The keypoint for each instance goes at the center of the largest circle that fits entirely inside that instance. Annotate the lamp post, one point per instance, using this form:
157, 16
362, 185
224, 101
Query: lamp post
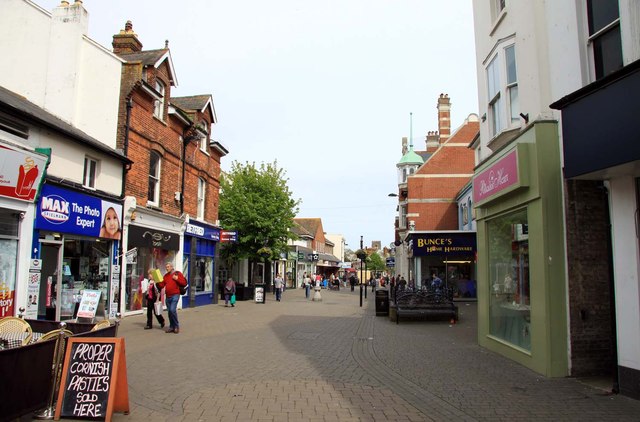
360, 255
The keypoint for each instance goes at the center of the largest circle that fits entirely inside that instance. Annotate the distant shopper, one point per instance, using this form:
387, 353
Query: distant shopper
278, 284
171, 282
153, 296
229, 293
307, 286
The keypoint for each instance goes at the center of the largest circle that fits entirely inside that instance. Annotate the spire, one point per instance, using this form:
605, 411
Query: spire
410, 157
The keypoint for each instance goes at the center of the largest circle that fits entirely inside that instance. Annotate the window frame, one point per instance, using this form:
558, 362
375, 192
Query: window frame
503, 105
158, 109
204, 141
599, 67
155, 201
89, 180
202, 192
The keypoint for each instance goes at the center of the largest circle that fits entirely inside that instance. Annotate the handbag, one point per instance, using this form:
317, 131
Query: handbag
157, 307
233, 299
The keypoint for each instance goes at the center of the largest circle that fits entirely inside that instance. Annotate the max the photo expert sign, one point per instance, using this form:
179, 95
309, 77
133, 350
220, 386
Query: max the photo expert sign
94, 379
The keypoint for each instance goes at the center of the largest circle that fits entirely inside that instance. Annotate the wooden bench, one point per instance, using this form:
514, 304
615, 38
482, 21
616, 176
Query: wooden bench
426, 303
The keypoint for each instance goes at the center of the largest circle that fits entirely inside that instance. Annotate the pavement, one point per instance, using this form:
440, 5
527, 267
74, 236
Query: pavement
332, 360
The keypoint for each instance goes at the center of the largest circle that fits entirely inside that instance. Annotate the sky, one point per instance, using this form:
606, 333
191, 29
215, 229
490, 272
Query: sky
323, 87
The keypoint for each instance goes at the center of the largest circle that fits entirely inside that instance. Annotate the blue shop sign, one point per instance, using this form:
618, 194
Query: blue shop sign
203, 232
66, 211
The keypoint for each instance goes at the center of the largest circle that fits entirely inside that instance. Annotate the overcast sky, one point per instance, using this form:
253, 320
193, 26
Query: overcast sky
324, 87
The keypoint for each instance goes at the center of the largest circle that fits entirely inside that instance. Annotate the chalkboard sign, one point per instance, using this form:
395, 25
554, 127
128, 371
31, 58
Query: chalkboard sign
94, 379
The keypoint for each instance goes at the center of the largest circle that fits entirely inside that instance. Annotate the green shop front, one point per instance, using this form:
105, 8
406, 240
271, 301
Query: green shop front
517, 194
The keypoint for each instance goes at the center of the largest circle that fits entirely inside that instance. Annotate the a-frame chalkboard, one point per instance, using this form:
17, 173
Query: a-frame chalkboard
94, 379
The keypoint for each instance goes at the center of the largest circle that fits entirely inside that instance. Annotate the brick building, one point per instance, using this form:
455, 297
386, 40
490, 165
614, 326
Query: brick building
171, 202
428, 211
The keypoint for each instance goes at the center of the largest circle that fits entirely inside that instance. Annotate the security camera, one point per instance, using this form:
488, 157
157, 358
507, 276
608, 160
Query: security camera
21, 215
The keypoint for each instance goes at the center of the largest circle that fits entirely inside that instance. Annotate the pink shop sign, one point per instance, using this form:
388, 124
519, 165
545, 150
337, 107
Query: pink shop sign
500, 176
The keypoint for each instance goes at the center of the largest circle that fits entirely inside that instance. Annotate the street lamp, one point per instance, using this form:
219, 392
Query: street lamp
361, 254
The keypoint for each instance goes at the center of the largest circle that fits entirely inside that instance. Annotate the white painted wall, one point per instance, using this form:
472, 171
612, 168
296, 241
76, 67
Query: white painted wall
626, 270
48, 59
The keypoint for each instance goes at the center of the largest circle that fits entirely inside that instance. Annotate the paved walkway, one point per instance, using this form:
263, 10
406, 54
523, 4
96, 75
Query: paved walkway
299, 360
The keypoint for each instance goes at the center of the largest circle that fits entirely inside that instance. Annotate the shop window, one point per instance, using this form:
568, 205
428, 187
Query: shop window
142, 262
508, 254
85, 265
201, 278
9, 254
605, 41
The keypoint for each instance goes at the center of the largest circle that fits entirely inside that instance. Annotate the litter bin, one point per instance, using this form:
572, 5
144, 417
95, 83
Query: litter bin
382, 302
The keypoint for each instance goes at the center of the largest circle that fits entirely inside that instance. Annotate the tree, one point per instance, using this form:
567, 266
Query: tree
257, 203
375, 262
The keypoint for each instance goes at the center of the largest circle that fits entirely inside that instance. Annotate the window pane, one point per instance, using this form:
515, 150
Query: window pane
601, 13
8, 223
510, 308
607, 52
496, 116
154, 177
510, 59
493, 79
514, 107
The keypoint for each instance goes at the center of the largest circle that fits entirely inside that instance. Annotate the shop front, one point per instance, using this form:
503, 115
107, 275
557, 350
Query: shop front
521, 260
148, 248
76, 238
450, 256
20, 175
199, 251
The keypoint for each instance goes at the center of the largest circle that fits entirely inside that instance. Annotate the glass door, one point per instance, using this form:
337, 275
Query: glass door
51, 282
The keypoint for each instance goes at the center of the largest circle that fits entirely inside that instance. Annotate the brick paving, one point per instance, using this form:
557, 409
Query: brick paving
299, 360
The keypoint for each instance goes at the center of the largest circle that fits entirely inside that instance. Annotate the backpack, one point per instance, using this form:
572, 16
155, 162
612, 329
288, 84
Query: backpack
183, 289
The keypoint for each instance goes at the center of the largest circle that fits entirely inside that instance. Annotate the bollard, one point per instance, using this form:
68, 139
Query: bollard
316, 296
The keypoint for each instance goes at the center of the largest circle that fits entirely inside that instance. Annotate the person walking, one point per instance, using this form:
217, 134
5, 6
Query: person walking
278, 283
171, 282
153, 296
307, 286
229, 292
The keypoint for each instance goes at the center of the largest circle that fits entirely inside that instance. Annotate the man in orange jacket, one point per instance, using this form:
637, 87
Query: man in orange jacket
171, 282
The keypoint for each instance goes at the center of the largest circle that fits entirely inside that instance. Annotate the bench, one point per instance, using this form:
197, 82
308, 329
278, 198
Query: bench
425, 303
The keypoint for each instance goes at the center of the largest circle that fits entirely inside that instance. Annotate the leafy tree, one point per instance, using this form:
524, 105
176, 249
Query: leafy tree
375, 262
256, 202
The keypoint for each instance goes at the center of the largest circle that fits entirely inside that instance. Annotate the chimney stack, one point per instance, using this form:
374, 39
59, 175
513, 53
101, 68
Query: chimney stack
444, 117
126, 41
432, 141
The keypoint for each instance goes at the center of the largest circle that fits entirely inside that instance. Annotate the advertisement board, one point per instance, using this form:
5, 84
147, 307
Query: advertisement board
66, 211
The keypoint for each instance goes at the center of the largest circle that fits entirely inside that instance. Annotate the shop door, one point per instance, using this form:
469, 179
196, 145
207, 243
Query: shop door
51, 282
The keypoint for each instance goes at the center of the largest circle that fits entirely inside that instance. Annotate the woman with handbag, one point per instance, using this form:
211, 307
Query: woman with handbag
230, 293
154, 298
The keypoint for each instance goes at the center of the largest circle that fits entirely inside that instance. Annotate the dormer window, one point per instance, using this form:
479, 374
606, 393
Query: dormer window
159, 105
204, 140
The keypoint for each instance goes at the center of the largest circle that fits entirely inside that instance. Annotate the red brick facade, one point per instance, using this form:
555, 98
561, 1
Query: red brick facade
432, 190
164, 136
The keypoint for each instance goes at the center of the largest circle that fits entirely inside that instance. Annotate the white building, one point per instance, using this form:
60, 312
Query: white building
571, 191
60, 93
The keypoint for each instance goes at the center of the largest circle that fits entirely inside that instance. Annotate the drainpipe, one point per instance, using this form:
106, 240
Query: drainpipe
125, 144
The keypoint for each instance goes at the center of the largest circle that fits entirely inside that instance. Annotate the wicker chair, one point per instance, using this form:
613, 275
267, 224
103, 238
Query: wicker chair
53, 334
16, 325
102, 324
